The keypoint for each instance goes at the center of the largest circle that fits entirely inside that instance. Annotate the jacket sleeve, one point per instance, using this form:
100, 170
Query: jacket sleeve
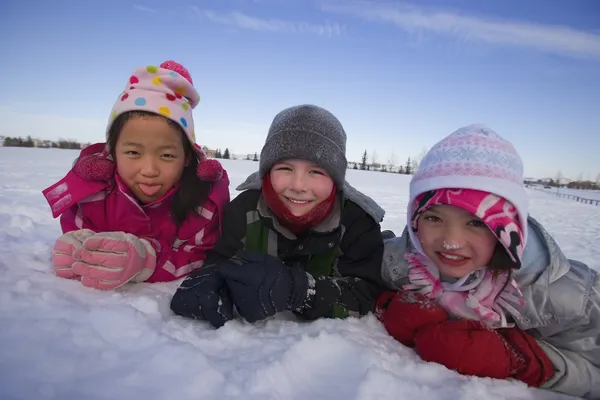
68, 220
186, 256
357, 282
575, 351
233, 231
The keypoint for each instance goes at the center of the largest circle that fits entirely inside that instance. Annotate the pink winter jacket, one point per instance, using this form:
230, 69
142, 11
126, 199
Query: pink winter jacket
111, 207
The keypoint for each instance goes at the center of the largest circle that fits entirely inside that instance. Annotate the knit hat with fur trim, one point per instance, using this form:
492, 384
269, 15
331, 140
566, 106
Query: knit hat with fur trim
473, 157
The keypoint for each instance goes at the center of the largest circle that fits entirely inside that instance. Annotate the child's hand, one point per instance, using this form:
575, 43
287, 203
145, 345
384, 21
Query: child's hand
262, 285
404, 313
63, 249
204, 295
108, 260
468, 347
537, 367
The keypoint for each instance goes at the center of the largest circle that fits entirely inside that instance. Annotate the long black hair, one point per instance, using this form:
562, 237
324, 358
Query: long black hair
192, 191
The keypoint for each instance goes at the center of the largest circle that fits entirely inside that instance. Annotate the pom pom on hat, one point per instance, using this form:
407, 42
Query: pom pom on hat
176, 67
166, 90
209, 170
94, 167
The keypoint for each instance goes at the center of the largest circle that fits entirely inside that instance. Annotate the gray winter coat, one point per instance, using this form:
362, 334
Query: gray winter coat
562, 307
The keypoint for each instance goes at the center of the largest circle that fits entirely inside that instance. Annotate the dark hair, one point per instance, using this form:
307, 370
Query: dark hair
500, 260
192, 191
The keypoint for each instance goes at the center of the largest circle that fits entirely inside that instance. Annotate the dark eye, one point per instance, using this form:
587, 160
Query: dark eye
283, 168
477, 223
317, 172
132, 153
432, 218
169, 156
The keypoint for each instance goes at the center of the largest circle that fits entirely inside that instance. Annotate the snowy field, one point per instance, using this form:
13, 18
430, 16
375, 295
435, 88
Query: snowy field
59, 340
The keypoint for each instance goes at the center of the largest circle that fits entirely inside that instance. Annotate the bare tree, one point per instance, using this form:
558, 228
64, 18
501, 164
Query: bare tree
415, 166
392, 160
598, 180
417, 160
558, 178
374, 157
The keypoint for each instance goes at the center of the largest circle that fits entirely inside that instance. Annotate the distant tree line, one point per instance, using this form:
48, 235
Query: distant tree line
222, 154
584, 185
408, 169
47, 144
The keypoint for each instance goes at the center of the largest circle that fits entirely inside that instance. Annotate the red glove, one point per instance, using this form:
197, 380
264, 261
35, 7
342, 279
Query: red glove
404, 313
537, 367
468, 347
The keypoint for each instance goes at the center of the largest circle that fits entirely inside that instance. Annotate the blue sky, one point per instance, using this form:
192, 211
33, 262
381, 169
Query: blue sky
399, 75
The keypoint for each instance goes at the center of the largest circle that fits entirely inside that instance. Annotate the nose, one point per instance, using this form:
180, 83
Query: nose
149, 167
298, 183
453, 234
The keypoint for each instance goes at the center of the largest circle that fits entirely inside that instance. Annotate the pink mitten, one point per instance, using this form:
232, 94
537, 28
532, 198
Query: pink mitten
62, 252
108, 260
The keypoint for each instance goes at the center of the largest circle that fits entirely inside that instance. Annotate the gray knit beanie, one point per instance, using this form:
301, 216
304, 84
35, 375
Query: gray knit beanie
310, 133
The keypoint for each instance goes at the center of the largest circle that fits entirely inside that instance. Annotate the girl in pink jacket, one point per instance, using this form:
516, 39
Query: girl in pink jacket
146, 205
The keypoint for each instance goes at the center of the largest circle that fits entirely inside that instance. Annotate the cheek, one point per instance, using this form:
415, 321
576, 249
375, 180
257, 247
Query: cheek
174, 171
278, 181
125, 166
487, 244
322, 188
426, 236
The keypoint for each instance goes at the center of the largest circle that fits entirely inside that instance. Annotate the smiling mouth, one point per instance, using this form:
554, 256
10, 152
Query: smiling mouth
298, 202
453, 257
453, 260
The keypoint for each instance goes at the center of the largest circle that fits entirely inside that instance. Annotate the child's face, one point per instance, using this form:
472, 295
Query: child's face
150, 157
301, 185
455, 240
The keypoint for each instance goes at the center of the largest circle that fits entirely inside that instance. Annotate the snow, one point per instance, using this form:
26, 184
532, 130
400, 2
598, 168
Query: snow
60, 340
586, 194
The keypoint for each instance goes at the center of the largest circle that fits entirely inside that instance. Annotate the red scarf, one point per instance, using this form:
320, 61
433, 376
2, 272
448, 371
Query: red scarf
296, 224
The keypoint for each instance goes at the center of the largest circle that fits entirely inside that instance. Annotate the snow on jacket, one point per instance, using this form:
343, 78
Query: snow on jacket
111, 207
562, 308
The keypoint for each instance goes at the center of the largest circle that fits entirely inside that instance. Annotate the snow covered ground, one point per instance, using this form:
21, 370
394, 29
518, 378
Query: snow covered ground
586, 194
59, 340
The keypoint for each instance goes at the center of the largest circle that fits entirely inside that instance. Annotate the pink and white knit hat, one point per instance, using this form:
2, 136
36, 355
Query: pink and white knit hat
165, 90
473, 157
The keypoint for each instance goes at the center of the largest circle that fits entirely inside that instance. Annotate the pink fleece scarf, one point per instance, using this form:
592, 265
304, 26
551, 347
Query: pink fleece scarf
479, 296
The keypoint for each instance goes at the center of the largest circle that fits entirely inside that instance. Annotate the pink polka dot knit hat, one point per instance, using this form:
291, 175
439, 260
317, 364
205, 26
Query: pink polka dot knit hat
166, 90
473, 157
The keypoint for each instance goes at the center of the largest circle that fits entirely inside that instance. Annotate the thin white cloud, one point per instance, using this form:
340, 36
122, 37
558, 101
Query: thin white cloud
239, 20
419, 20
144, 9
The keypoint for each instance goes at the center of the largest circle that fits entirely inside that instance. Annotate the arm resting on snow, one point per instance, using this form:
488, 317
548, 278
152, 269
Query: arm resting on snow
357, 282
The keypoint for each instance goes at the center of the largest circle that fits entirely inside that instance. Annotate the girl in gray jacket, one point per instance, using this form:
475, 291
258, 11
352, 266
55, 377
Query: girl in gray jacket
481, 287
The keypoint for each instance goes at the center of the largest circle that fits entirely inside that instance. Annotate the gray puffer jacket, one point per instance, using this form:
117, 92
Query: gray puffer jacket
562, 307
